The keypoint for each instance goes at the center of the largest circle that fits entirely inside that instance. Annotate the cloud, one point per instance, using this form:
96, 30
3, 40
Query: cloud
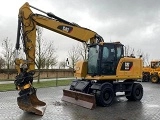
135, 23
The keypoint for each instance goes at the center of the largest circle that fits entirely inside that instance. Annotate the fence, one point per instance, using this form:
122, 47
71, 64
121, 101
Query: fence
44, 73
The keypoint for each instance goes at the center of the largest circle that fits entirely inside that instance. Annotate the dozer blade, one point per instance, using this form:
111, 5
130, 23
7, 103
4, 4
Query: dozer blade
79, 98
30, 103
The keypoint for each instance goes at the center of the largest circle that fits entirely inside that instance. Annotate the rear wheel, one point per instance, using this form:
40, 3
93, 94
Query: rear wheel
136, 93
154, 78
105, 96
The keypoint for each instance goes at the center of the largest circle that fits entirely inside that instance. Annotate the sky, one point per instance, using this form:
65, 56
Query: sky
135, 23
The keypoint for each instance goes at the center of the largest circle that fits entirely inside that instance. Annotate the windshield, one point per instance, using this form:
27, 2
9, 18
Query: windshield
155, 64
92, 59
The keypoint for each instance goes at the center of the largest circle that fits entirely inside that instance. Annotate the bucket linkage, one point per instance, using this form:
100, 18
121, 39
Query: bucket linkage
27, 99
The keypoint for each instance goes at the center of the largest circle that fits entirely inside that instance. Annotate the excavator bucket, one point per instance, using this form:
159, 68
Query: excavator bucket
30, 103
79, 98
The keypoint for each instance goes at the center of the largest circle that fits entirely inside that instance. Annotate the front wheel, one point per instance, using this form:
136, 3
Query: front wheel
106, 95
154, 78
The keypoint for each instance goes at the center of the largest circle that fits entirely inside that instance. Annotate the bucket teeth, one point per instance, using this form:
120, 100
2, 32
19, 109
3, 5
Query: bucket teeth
30, 103
79, 98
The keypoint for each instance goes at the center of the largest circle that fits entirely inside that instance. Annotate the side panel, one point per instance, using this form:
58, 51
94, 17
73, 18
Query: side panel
81, 69
128, 68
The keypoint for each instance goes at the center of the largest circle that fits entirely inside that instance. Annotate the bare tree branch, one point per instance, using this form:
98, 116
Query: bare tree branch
145, 56
74, 56
83, 51
62, 64
8, 54
2, 63
45, 53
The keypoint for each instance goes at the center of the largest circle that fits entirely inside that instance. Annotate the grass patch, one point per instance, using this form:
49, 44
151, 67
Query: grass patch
42, 84
7, 87
53, 83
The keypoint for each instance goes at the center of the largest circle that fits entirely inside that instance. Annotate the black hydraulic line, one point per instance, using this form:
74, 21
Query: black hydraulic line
18, 34
38, 9
58, 18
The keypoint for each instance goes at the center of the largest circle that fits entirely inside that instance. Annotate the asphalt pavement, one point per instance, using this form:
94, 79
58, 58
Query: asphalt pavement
122, 109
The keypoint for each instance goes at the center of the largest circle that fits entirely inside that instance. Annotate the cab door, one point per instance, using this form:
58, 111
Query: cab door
110, 56
108, 60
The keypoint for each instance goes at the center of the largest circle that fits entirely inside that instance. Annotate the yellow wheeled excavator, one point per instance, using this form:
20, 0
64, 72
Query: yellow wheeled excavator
106, 71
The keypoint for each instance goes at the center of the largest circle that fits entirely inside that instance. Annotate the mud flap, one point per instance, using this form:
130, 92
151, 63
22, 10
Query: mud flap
30, 103
79, 98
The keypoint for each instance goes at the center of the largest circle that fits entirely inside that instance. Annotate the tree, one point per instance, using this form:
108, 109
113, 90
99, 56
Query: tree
51, 58
62, 64
146, 59
83, 51
129, 50
145, 56
2, 63
45, 53
8, 54
39, 55
74, 56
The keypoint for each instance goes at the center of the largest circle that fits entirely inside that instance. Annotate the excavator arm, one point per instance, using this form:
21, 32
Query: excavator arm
27, 22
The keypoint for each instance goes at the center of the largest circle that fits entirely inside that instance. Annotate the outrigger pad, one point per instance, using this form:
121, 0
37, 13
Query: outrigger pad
30, 103
79, 98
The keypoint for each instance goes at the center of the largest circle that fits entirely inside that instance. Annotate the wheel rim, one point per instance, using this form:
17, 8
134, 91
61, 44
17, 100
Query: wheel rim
138, 92
107, 95
154, 79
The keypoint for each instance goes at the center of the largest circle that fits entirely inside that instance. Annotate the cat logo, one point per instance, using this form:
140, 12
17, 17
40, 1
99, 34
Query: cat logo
127, 64
64, 28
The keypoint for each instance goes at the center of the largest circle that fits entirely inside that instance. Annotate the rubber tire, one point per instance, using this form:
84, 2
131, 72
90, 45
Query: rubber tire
130, 98
100, 95
136, 93
154, 79
145, 78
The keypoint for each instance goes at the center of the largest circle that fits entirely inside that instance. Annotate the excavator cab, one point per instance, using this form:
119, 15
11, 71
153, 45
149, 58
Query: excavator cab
103, 58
